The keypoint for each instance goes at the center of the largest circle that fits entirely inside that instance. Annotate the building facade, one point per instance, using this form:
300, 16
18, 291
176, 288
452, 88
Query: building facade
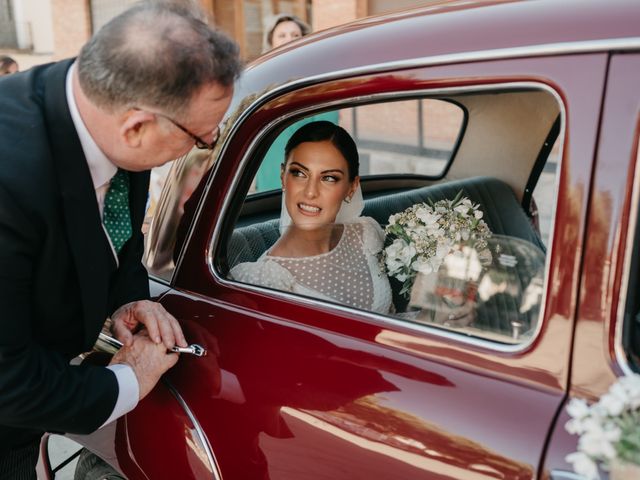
61, 27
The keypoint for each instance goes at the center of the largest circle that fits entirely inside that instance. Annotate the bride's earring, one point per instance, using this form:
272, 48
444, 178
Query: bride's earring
347, 200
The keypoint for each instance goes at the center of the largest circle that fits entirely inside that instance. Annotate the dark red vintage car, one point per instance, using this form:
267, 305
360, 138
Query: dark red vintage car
532, 110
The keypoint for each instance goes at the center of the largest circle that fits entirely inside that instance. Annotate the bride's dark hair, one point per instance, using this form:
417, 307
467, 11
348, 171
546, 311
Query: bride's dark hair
323, 130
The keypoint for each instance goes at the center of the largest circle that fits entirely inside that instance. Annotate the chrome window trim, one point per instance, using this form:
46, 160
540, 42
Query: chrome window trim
213, 463
554, 49
619, 353
418, 328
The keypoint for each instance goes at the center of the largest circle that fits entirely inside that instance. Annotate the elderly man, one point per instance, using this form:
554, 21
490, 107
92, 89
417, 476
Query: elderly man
77, 139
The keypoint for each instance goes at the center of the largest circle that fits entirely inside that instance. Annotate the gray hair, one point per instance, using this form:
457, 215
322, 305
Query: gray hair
157, 54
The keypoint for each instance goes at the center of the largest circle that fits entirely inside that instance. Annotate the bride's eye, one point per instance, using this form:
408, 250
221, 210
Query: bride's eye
331, 178
296, 172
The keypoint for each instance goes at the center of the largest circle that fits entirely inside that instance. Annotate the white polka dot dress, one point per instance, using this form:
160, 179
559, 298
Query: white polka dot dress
349, 274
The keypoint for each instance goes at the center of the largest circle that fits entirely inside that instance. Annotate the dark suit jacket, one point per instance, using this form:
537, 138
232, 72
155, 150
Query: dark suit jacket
58, 278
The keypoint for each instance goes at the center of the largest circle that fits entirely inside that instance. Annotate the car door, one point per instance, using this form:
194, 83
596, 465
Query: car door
294, 387
601, 351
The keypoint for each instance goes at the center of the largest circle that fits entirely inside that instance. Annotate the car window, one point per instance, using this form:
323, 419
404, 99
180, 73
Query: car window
412, 136
171, 187
442, 237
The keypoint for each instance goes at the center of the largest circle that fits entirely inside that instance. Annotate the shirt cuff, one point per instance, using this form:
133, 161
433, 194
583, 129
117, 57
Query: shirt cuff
128, 391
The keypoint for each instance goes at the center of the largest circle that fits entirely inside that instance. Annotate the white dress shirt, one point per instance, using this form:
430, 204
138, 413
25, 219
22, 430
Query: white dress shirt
102, 171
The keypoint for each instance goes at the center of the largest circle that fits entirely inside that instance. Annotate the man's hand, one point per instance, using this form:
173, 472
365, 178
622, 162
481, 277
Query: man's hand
148, 360
161, 325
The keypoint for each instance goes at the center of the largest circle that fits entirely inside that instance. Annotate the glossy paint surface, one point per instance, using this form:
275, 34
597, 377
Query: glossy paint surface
297, 398
293, 388
340, 395
156, 440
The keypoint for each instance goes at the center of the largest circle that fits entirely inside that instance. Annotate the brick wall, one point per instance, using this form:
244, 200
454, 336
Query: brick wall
329, 14
71, 26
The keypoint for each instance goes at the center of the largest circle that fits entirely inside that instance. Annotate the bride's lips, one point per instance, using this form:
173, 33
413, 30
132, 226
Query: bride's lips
309, 210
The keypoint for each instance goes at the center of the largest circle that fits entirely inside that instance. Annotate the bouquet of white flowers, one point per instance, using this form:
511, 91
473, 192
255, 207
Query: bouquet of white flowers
609, 429
419, 238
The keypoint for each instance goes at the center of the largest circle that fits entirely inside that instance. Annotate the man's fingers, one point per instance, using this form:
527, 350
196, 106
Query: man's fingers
177, 331
161, 326
167, 327
123, 334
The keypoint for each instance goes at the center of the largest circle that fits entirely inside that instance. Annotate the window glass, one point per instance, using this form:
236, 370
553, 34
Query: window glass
544, 195
432, 231
494, 292
170, 190
412, 136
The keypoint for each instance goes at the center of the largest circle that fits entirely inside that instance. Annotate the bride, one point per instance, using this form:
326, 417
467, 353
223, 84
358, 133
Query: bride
326, 249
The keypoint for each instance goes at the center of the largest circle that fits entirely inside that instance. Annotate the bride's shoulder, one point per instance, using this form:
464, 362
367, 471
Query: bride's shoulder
264, 272
368, 222
371, 233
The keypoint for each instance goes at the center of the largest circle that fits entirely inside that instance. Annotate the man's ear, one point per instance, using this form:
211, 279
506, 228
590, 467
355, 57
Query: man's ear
134, 125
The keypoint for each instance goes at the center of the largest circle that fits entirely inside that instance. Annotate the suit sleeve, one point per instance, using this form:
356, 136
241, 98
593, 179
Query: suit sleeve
39, 389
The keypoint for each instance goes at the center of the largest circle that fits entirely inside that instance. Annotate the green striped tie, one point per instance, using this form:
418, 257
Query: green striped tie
116, 217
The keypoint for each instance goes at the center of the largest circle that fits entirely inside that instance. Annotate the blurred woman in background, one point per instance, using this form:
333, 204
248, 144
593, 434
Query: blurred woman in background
281, 29
7, 65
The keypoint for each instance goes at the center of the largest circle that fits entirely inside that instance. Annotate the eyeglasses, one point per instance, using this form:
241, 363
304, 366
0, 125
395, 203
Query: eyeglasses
200, 143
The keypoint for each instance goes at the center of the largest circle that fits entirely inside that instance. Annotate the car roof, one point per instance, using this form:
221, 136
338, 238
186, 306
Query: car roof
452, 31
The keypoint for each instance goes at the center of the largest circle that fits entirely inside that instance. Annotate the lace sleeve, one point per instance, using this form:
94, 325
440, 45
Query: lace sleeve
265, 273
372, 234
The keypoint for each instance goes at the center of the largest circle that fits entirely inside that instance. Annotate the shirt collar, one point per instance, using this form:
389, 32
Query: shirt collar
101, 168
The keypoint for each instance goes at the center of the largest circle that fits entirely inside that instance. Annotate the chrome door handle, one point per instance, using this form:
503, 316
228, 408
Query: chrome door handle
193, 349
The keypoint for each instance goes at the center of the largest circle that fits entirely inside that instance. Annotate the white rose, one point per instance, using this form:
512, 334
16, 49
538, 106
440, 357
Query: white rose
392, 252
631, 384
422, 265
419, 233
393, 266
583, 465
434, 230
614, 402
574, 426
599, 444
407, 254
398, 256
462, 208
578, 408
443, 248
478, 214
394, 249
426, 216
